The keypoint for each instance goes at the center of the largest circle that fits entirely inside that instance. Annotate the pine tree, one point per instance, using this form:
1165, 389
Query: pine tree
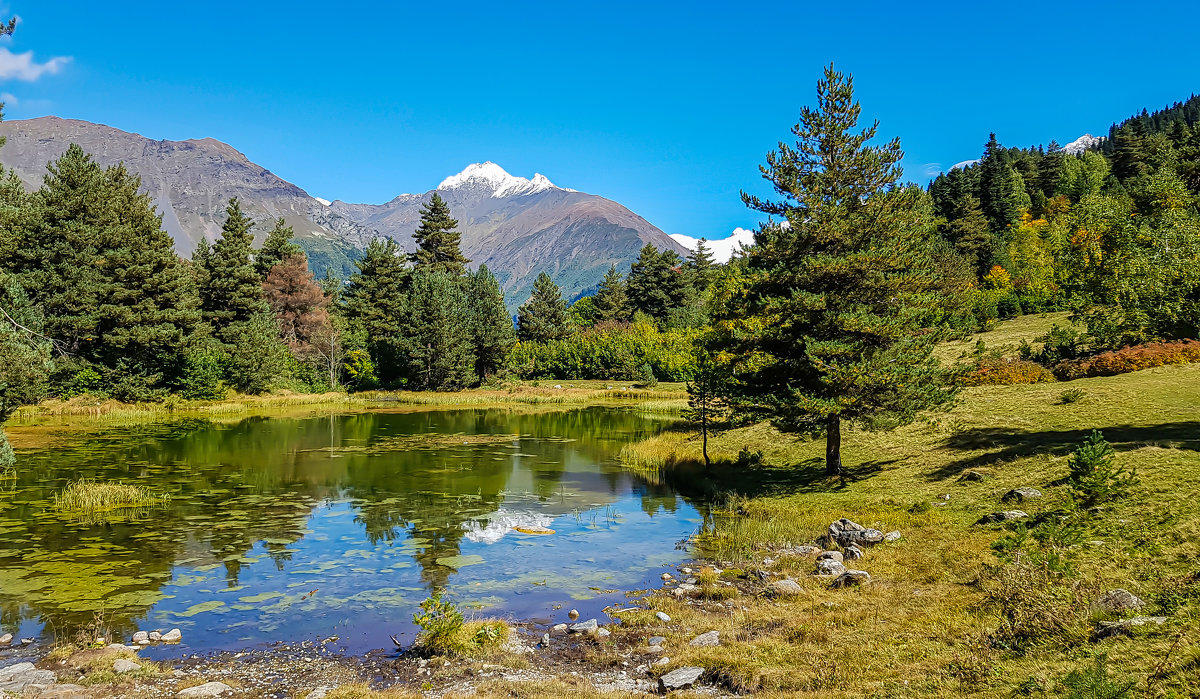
437, 240
838, 297
610, 301
699, 267
375, 301
655, 285
708, 392
491, 325
1002, 189
231, 290
147, 309
435, 333
544, 316
276, 247
296, 300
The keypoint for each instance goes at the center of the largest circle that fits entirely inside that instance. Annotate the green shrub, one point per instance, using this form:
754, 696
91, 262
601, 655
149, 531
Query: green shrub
1094, 683
1008, 306
1095, 477
200, 376
440, 622
610, 351
1072, 395
1058, 345
361, 370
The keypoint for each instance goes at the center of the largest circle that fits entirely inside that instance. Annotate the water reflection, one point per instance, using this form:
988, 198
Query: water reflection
286, 528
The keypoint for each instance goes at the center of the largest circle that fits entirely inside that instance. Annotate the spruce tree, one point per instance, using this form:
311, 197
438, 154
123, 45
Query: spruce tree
610, 301
437, 240
491, 325
699, 267
375, 301
544, 316
834, 306
276, 247
435, 333
655, 285
231, 290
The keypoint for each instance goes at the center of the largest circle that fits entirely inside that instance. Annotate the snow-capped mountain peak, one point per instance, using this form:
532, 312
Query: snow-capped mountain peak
494, 178
1082, 144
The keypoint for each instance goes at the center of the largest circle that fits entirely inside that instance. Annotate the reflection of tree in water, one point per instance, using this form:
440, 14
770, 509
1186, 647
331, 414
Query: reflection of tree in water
235, 485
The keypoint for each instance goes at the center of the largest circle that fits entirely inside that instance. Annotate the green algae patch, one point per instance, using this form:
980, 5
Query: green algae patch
201, 608
460, 561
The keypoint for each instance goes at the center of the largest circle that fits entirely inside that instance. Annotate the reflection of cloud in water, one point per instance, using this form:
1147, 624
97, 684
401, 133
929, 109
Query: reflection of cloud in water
502, 523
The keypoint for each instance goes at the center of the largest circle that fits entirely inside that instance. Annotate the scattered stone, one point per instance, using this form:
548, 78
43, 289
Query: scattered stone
708, 638
545, 640
172, 636
853, 553
656, 640
1005, 516
891, 536
851, 577
651, 650
972, 477
603, 633
141, 637
573, 614
121, 665
830, 556
830, 567
1124, 627
945, 496
686, 589
662, 616
785, 588
844, 532
27, 641
155, 636
318, 693
5, 639
806, 550
208, 689
1118, 601
559, 628
667, 576
19, 677
682, 678
1021, 495
589, 626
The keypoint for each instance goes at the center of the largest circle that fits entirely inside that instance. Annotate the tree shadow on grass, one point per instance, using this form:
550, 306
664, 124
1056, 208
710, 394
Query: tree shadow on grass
1007, 445
807, 476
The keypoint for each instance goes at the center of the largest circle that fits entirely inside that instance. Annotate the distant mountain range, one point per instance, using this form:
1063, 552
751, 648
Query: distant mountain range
519, 227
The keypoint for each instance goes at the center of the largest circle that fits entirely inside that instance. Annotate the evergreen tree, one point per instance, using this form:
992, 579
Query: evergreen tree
231, 290
699, 267
544, 316
1002, 189
435, 333
838, 296
256, 357
610, 301
437, 240
276, 247
655, 285
491, 326
296, 300
375, 301
147, 309
708, 392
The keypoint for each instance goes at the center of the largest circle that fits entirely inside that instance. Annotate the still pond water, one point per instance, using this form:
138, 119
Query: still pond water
295, 529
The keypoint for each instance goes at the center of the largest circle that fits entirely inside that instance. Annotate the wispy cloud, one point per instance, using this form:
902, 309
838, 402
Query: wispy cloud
21, 66
9, 99
722, 248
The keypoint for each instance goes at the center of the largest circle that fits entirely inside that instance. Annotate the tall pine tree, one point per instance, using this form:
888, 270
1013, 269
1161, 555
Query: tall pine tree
375, 300
437, 240
544, 316
435, 333
839, 295
491, 325
610, 300
276, 247
656, 286
230, 288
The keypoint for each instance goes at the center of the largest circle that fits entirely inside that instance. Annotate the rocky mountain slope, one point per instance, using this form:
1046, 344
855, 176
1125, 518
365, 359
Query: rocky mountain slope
519, 227
190, 182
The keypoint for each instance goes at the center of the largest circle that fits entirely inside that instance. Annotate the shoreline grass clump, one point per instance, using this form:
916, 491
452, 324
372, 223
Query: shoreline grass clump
90, 497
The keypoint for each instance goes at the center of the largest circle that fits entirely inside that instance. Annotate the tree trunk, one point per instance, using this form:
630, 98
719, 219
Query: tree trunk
833, 446
704, 432
7, 458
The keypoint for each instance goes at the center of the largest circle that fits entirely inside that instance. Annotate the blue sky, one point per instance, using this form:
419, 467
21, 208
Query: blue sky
667, 108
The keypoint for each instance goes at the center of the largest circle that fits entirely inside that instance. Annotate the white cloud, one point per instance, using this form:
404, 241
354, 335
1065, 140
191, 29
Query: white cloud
21, 66
964, 163
8, 99
722, 249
